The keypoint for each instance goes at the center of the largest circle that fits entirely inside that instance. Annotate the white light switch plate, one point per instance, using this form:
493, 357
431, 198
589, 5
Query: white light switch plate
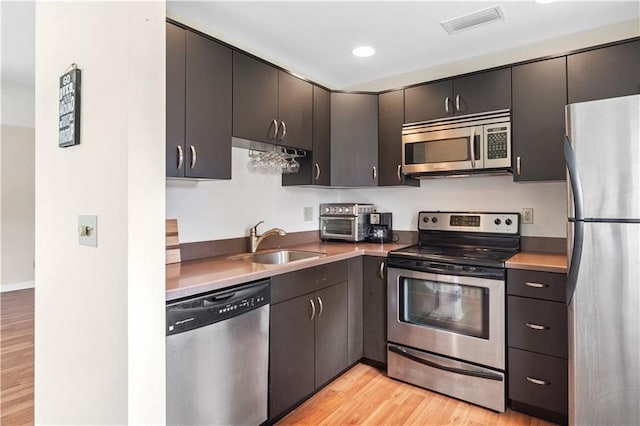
308, 214
88, 230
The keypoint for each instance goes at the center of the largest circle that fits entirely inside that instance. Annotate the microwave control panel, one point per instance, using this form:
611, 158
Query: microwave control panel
497, 140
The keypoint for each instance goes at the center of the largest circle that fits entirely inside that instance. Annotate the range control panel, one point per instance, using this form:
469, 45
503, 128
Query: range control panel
501, 223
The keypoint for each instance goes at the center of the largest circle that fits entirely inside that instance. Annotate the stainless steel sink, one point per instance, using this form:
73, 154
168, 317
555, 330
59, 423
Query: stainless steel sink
278, 257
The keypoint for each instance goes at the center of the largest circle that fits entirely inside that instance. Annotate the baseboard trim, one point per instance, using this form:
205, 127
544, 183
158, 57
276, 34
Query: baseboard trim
17, 286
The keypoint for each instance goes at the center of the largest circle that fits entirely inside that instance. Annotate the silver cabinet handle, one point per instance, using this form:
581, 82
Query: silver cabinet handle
375, 172
446, 105
398, 172
536, 326
321, 306
317, 171
180, 157
283, 125
274, 123
313, 309
518, 166
194, 157
472, 147
381, 271
535, 285
458, 103
537, 381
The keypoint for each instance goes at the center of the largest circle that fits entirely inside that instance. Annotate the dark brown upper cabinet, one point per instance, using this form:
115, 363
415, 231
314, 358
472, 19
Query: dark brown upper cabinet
539, 98
354, 139
198, 138
315, 167
480, 92
390, 120
270, 105
603, 73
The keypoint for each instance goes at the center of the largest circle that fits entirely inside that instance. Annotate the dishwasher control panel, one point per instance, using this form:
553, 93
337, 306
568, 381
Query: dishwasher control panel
210, 308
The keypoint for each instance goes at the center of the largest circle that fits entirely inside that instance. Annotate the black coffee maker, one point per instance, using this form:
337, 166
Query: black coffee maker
380, 228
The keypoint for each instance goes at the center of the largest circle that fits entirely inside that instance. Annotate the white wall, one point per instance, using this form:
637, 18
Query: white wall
99, 334
18, 105
18, 207
211, 210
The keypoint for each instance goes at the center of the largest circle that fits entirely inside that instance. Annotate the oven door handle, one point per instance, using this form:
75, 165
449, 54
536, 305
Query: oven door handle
472, 373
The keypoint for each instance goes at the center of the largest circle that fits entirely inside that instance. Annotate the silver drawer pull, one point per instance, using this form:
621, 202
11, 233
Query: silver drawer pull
194, 157
313, 309
535, 285
537, 381
321, 306
317, 171
399, 170
536, 326
180, 157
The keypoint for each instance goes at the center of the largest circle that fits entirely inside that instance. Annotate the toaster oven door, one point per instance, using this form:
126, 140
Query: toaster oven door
443, 150
338, 228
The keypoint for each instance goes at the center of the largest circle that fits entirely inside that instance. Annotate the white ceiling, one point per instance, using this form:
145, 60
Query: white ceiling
314, 39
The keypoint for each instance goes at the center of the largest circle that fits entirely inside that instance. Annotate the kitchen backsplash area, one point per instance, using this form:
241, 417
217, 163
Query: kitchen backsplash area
213, 210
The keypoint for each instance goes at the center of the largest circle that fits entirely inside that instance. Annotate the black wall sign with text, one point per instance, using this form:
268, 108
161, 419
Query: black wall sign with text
69, 110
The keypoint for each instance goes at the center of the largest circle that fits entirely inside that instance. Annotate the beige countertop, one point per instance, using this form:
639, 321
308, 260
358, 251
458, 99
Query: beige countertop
200, 276
545, 262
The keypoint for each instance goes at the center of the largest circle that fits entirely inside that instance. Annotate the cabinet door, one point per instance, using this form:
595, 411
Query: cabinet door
390, 120
315, 168
374, 304
175, 88
608, 72
354, 139
539, 98
295, 109
355, 310
482, 92
291, 353
321, 136
255, 99
208, 109
330, 333
428, 101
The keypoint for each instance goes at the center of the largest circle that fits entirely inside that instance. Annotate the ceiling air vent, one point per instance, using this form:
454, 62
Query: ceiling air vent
473, 19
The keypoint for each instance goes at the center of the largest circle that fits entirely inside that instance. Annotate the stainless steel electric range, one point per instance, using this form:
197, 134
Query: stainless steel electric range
446, 305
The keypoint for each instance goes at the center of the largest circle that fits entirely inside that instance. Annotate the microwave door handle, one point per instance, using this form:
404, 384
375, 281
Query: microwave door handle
472, 147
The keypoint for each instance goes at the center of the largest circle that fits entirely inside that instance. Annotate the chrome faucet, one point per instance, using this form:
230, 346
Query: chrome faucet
256, 239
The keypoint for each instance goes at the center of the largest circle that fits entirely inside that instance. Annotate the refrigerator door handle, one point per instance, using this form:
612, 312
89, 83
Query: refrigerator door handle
578, 224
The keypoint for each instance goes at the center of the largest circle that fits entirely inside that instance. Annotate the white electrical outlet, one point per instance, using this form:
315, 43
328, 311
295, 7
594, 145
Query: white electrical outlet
527, 215
308, 214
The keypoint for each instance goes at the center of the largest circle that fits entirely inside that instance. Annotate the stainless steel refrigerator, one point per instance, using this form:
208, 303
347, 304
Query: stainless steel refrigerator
602, 150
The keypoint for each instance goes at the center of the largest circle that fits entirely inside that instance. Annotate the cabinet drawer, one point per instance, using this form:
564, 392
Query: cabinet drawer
294, 284
538, 380
537, 325
539, 285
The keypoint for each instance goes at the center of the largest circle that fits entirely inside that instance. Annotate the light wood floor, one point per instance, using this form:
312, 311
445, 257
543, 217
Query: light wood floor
366, 396
16, 357
362, 396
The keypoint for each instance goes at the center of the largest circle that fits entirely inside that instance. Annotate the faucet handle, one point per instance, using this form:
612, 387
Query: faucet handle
254, 229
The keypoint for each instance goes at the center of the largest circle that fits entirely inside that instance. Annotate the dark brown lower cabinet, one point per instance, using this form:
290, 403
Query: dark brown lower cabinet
374, 305
308, 333
537, 343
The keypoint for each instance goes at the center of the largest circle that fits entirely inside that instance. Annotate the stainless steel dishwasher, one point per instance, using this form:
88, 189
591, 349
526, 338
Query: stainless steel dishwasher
218, 357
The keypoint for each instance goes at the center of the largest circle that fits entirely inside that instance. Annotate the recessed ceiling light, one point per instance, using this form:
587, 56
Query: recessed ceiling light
363, 51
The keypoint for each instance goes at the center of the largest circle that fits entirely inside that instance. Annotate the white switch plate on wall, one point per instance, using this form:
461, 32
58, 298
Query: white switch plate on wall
308, 214
88, 230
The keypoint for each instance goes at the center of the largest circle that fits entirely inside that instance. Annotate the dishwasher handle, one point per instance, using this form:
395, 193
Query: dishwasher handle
214, 307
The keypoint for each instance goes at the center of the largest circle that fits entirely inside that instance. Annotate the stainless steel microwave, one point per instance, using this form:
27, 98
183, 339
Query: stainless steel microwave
476, 143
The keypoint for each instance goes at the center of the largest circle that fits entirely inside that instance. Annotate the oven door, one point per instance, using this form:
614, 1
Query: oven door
339, 228
443, 150
455, 316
